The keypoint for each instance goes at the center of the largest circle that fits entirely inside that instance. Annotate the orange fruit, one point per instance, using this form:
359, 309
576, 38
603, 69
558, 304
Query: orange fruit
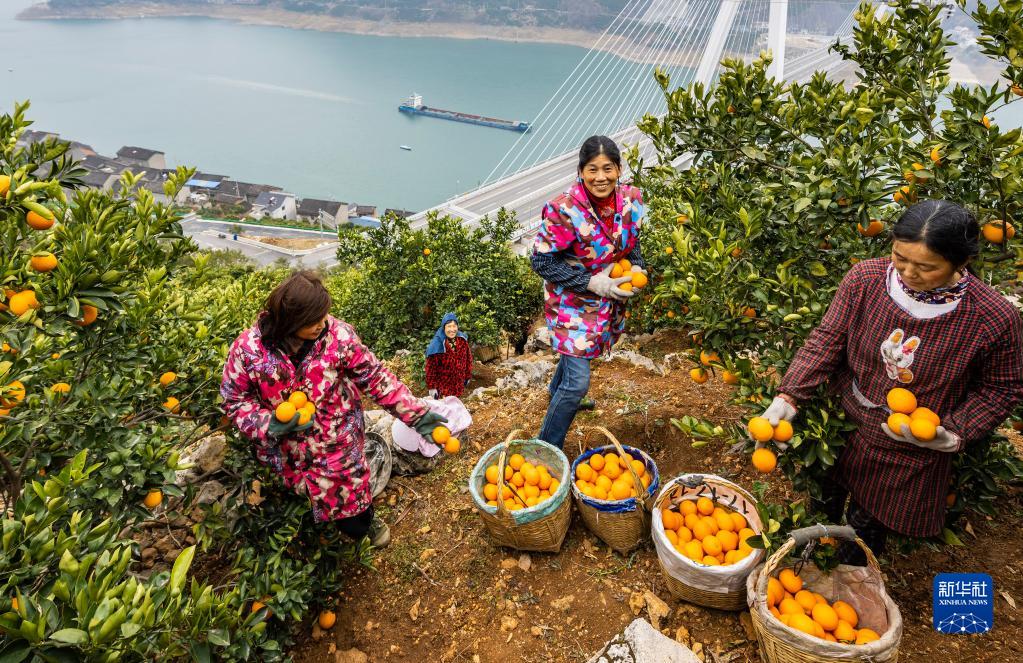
441, 434
760, 429
764, 460
846, 613
426, 252
690, 520
802, 623
669, 250
327, 620
638, 467
298, 399
621, 490
687, 507
531, 491
153, 499
996, 232
790, 581
596, 462
518, 480
738, 522
711, 524
901, 400
710, 560
5, 185
926, 413
844, 632
15, 390
285, 412
22, 302
825, 615
790, 607
745, 533
89, 315
698, 375
873, 228
806, 600
783, 431
775, 592
612, 470
711, 545
923, 429
694, 551
490, 491
584, 471
43, 262
516, 461
729, 377
670, 534
531, 475
774, 611
38, 221
865, 635
736, 252
701, 530
729, 540
259, 605
708, 358
452, 445
171, 404
508, 472
936, 155
896, 420
705, 506
167, 378
639, 279
603, 482
685, 535
493, 474
617, 271
724, 522
545, 481
670, 519
61, 388
554, 486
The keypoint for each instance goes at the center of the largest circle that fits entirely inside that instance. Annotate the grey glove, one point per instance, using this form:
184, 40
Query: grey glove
778, 409
943, 441
603, 285
280, 429
427, 423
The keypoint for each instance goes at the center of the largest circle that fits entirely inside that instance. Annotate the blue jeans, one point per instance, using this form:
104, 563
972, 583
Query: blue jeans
569, 385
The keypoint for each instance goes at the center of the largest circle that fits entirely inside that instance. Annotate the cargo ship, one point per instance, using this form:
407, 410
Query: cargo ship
414, 106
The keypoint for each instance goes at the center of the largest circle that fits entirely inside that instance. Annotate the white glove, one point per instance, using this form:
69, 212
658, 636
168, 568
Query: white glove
778, 409
603, 285
432, 393
943, 441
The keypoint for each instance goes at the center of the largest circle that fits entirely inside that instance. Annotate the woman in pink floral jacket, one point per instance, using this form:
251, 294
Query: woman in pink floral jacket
296, 345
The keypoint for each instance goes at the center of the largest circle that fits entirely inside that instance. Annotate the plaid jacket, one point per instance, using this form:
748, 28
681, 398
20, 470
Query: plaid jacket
966, 365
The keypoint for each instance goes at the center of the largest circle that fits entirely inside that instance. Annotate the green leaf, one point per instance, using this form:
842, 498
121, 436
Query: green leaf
949, 537
220, 637
71, 636
802, 204
180, 569
16, 653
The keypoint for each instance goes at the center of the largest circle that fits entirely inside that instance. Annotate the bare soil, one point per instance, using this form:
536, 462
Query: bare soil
442, 589
285, 243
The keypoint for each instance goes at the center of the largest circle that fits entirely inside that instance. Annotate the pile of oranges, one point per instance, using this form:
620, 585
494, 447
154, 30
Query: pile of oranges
923, 423
442, 436
707, 533
624, 268
525, 484
606, 476
299, 404
811, 613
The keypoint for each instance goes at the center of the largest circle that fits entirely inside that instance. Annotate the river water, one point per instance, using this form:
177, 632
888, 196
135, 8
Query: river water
313, 112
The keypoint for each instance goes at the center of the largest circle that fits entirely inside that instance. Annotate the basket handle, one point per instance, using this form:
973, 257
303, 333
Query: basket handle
805, 535
502, 510
637, 484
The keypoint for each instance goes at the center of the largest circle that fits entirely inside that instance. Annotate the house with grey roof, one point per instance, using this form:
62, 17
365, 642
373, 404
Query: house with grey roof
274, 205
232, 192
364, 210
142, 156
102, 172
330, 213
400, 213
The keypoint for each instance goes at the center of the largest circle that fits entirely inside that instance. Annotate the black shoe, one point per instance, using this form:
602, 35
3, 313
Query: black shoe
379, 533
587, 403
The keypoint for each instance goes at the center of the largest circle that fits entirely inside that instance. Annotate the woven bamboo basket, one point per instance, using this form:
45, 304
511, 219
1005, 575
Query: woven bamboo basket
539, 528
781, 644
624, 528
723, 587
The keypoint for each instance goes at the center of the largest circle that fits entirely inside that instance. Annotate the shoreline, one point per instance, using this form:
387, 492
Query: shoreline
274, 17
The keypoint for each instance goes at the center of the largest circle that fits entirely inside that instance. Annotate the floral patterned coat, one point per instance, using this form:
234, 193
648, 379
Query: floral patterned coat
586, 325
326, 462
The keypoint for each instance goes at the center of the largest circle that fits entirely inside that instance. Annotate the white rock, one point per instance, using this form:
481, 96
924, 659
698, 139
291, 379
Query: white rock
210, 492
639, 361
540, 339
526, 374
641, 643
205, 456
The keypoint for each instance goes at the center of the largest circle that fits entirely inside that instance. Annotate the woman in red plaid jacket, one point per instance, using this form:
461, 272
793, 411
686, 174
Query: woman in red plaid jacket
919, 320
448, 360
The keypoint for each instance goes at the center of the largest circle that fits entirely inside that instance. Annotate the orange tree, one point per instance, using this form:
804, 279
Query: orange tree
403, 281
791, 183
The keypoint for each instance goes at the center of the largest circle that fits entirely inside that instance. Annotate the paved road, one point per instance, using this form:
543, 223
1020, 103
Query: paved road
217, 236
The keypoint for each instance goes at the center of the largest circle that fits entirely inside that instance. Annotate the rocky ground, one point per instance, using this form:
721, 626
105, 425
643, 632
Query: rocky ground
443, 590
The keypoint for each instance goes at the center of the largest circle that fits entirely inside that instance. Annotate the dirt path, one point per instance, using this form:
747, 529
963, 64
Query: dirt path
441, 589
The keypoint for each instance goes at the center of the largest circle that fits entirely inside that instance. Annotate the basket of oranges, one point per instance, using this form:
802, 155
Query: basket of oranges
520, 488
614, 487
701, 535
801, 615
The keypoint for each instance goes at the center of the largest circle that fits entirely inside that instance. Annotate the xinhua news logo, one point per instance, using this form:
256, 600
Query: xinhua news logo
963, 603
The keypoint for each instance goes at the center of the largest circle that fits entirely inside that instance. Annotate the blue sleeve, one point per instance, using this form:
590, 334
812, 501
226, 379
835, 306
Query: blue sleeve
636, 255
551, 267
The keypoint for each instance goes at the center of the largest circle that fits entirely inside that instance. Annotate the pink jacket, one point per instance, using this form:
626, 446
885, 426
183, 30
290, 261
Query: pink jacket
326, 462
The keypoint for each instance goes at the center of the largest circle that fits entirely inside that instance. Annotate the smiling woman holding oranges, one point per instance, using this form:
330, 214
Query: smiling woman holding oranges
927, 359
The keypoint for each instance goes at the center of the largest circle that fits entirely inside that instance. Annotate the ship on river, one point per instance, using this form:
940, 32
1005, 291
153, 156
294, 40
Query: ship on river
414, 106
